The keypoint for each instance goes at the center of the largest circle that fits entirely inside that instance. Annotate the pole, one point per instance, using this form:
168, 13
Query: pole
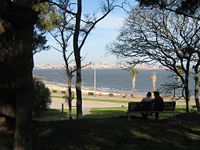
94, 80
62, 108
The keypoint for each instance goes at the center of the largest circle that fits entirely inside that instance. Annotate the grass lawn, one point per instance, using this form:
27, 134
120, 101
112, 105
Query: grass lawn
53, 114
118, 134
113, 133
100, 99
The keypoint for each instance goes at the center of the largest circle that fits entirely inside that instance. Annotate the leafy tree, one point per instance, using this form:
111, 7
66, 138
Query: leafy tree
160, 36
189, 8
39, 42
88, 23
7, 74
82, 27
59, 25
196, 78
19, 16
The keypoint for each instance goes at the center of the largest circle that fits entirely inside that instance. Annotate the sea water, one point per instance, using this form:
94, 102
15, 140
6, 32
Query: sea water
113, 80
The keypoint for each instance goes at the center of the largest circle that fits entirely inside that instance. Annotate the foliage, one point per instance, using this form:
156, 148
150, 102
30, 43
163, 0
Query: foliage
59, 24
48, 17
69, 22
39, 42
41, 97
22, 19
133, 72
63, 92
111, 94
188, 8
179, 69
55, 91
91, 93
160, 36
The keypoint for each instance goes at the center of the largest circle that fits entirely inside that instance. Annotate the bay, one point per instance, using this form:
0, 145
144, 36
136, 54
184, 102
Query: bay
111, 80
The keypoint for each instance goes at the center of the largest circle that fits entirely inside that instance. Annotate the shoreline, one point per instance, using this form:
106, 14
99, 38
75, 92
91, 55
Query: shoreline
59, 88
88, 105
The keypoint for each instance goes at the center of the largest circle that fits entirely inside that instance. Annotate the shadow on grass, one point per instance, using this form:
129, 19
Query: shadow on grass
52, 115
122, 112
118, 134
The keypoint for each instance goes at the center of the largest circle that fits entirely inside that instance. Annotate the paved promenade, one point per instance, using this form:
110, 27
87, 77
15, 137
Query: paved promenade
87, 105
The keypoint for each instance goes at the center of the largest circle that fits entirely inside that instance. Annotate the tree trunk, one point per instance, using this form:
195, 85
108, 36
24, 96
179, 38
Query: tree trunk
187, 94
20, 15
186, 83
78, 59
24, 86
69, 98
78, 90
154, 80
69, 83
133, 84
23, 140
196, 90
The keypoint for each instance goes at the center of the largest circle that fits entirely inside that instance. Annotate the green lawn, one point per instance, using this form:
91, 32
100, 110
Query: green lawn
100, 99
54, 115
109, 129
108, 100
117, 133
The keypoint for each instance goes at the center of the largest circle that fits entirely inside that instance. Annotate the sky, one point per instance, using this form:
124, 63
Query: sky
94, 49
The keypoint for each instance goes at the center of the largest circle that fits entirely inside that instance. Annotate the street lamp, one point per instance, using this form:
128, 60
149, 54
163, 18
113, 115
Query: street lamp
94, 68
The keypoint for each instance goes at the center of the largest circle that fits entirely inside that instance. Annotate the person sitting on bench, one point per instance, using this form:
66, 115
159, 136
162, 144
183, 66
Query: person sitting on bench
157, 104
146, 103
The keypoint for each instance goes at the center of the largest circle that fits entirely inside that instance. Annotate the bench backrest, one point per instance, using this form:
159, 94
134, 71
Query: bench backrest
169, 106
134, 106
137, 106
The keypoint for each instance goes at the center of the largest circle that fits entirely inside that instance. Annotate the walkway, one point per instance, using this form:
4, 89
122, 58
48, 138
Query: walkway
87, 105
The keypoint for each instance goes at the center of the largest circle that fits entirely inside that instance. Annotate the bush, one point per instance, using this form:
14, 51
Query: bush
111, 94
42, 98
90, 93
54, 91
63, 92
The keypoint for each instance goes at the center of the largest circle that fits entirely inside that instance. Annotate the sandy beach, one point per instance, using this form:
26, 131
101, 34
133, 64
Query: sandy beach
58, 87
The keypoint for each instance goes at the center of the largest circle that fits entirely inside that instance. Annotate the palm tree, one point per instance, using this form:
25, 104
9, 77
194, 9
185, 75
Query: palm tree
133, 73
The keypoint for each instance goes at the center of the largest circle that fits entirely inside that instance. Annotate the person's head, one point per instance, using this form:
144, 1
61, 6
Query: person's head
156, 94
149, 94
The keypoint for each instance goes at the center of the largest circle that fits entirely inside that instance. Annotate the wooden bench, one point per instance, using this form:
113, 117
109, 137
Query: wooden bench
169, 106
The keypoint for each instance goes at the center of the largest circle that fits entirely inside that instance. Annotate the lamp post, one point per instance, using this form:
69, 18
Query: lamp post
94, 68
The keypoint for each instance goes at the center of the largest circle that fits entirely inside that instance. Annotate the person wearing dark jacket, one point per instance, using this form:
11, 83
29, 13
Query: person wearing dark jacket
157, 103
